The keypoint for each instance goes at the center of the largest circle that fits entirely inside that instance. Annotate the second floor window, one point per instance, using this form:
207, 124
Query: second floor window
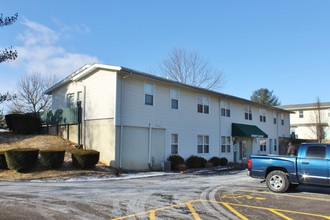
203, 104
149, 90
274, 118
262, 115
70, 100
248, 113
174, 98
225, 108
301, 114
282, 119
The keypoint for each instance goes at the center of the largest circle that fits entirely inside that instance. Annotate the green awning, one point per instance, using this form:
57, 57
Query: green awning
243, 130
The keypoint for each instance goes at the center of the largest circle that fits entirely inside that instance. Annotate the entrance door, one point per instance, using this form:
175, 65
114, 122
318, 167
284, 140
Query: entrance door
243, 150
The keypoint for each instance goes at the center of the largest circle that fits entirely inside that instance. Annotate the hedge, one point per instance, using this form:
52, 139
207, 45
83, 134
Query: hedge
23, 123
22, 159
223, 161
3, 163
215, 161
52, 158
85, 159
175, 161
196, 162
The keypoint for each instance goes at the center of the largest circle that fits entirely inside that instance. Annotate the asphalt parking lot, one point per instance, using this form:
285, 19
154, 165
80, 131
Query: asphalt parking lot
248, 204
223, 195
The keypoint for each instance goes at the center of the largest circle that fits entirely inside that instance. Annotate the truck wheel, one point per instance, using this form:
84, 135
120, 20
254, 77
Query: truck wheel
277, 181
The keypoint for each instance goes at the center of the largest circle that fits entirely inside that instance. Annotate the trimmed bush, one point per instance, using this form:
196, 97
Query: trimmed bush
196, 162
175, 161
215, 161
223, 161
85, 159
22, 159
52, 158
23, 123
3, 163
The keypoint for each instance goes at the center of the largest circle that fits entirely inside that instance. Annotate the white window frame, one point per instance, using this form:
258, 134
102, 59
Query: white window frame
204, 102
274, 118
262, 113
225, 108
248, 113
149, 93
70, 100
282, 119
174, 143
174, 95
203, 144
225, 144
263, 144
301, 114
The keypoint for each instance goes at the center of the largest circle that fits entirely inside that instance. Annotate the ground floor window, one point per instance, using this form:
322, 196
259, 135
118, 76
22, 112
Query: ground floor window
275, 144
174, 144
262, 145
225, 144
203, 144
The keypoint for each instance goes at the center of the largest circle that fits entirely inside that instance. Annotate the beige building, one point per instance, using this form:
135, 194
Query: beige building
305, 118
136, 120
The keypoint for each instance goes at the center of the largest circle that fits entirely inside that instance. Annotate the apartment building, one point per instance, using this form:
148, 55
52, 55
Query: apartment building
136, 120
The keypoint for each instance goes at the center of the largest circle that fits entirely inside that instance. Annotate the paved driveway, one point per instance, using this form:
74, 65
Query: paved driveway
231, 195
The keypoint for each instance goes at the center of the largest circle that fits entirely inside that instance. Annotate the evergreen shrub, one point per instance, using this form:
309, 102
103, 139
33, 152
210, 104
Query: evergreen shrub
85, 159
3, 163
175, 161
215, 161
223, 161
52, 158
196, 162
22, 159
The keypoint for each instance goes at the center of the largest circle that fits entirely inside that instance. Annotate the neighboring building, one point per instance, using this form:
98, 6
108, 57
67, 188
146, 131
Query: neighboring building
136, 120
305, 118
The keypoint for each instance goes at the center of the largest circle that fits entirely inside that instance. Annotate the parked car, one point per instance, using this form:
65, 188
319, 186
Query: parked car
311, 166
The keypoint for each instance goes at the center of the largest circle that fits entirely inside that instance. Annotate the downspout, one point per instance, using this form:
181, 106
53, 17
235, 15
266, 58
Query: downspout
121, 123
219, 139
122, 119
149, 148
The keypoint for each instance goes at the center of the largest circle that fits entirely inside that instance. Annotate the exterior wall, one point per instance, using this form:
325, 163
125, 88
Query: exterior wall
100, 89
185, 121
273, 130
304, 128
188, 123
100, 135
113, 103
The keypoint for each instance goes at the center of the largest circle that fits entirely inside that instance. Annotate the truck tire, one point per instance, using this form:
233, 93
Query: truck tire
277, 181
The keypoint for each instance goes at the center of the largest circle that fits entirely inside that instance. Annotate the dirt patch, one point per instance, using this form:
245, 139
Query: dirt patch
9, 141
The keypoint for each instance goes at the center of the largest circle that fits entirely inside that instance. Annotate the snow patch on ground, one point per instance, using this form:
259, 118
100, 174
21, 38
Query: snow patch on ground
99, 178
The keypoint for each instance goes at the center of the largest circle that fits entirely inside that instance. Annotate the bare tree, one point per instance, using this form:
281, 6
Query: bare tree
31, 97
317, 122
191, 68
8, 53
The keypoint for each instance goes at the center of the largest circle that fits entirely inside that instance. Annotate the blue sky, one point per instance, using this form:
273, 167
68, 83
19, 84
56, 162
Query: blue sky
280, 45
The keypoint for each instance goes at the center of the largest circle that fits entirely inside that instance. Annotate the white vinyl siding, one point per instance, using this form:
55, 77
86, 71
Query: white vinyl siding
100, 95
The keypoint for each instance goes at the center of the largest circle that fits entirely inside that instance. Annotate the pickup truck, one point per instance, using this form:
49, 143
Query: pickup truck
311, 166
